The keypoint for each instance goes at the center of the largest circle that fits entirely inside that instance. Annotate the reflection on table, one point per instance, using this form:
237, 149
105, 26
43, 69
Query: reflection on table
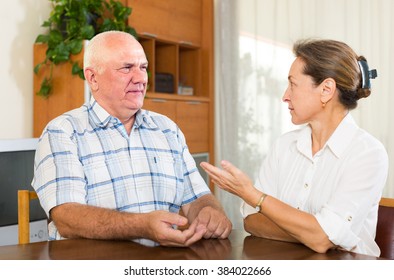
238, 246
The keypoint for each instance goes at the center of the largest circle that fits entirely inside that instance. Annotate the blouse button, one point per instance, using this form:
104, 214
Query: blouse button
349, 218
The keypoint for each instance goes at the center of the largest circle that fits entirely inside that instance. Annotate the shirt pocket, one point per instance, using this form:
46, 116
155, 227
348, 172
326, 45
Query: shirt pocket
167, 181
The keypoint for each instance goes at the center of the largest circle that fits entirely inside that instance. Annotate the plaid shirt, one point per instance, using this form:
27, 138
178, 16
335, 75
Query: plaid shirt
86, 156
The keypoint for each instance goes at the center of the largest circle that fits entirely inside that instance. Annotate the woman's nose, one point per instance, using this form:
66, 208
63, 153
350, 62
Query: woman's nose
285, 97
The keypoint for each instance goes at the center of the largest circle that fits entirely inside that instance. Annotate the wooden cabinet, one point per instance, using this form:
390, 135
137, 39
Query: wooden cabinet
173, 20
67, 91
193, 119
191, 116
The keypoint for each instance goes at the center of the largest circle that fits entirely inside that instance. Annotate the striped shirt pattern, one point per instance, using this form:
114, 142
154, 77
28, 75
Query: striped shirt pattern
86, 156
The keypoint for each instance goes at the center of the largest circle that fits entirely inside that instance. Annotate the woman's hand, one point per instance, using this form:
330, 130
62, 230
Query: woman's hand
233, 180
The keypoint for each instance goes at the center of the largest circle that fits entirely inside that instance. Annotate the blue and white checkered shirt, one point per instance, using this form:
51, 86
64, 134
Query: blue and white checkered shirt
86, 156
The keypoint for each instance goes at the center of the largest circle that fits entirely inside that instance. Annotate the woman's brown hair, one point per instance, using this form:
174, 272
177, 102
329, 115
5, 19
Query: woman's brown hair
333, 59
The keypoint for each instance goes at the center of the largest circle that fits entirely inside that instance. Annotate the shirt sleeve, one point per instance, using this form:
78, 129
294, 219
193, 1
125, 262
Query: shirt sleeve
58, 175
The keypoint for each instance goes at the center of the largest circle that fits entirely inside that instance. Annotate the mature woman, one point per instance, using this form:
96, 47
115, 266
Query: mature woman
321, 184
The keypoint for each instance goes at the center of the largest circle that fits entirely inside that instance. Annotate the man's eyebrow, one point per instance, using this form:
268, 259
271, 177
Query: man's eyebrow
130, 64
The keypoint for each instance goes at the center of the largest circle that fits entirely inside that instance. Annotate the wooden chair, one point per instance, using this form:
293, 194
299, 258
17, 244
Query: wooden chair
24, 197
385, 228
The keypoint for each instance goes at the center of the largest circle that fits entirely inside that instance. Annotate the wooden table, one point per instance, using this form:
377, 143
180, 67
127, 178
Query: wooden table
239, 246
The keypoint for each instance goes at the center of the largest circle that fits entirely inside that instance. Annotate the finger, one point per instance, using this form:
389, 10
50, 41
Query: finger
226, 232
210, 169
198, 234
174, 219
178, 238
229, 167
216, 230
224, 185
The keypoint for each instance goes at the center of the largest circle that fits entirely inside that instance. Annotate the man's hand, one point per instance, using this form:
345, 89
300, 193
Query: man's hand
207, 213
215, 223
161, 227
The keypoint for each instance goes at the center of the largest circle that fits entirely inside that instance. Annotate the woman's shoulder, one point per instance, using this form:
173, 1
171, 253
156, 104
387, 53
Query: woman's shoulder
367, 141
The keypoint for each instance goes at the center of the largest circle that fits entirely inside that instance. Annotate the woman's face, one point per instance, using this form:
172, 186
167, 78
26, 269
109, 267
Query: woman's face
302, 95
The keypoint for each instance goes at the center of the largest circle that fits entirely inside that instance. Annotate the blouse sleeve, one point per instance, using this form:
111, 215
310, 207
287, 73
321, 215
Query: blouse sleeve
353, 206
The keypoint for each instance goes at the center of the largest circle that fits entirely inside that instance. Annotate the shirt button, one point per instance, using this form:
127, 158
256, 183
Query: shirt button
349, 218
306, 186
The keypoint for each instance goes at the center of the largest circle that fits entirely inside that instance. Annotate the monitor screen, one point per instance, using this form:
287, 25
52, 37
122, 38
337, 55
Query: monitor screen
16, 173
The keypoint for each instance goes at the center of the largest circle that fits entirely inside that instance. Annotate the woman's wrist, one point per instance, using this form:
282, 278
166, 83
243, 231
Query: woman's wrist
260, 202
254, 197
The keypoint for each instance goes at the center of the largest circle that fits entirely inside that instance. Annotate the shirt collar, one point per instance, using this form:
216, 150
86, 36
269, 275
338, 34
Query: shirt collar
99, 117
337, 143
343, 135
143, 118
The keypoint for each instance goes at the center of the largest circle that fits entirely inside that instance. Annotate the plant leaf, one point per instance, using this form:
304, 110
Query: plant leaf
45, 89
87, 32
37, 68
75, 46
42, 38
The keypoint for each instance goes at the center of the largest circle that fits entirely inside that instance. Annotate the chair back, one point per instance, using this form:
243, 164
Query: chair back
385, 228
24, 198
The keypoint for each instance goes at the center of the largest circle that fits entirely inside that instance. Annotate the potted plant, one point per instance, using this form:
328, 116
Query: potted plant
70, 23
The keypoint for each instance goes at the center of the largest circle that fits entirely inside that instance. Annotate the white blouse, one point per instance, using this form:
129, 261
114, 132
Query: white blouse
341, 185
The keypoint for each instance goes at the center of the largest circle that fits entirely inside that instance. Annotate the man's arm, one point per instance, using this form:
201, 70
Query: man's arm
75, 220
207, 213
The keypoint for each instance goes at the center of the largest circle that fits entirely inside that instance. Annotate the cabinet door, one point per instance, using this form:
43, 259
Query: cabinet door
192, 118
67, 90
161, 106
173, 20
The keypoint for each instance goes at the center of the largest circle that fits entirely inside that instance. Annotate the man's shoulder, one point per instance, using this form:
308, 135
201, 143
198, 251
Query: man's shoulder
75, 117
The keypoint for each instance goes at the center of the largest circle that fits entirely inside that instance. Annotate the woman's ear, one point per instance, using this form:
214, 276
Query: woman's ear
329, 87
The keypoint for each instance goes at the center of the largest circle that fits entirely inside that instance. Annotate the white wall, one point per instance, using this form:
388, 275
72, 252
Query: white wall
20, 22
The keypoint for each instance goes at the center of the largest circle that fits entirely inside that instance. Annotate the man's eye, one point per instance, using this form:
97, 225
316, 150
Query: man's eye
125, 70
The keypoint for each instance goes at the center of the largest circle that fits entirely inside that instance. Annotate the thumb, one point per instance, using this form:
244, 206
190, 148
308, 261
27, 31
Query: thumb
175, 219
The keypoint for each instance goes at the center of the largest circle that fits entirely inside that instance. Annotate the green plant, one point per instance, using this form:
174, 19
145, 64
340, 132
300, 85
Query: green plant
70, 23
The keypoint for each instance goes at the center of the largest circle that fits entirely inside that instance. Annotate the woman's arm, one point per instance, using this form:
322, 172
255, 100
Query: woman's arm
280, 221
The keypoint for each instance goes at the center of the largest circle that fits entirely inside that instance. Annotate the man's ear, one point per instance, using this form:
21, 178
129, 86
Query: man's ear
90, 77
329, 87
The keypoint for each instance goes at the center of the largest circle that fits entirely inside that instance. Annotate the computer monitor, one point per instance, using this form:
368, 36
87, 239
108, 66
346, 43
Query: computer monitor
16, 172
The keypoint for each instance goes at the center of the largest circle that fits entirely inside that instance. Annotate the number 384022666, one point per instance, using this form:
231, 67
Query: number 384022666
241, 270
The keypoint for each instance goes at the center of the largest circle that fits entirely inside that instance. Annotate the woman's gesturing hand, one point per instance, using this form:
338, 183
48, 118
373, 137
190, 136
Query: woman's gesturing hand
233, 180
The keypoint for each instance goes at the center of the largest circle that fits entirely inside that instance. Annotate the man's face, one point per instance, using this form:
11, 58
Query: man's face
123, 78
